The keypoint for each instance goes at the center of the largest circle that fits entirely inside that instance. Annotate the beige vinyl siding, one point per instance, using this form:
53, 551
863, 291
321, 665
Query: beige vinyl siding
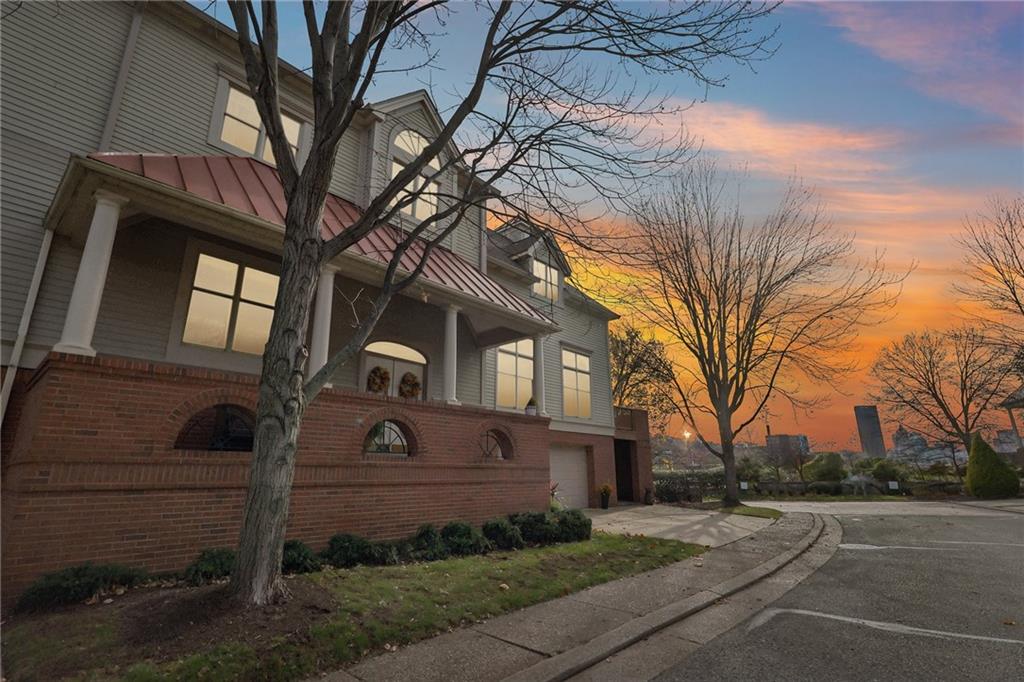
59, 69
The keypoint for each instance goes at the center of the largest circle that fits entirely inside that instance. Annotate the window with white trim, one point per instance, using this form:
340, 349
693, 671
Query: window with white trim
547, 287
240, 128
407, 146
575, 384
515, 374
230, 306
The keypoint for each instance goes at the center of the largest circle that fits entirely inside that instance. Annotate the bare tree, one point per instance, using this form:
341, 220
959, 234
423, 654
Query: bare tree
942, 383
642, 374
751, 309
565, 133
993, 243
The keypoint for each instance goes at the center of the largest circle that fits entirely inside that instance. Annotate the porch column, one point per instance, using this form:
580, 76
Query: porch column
84, 306
451, 351
538, 375
319, 346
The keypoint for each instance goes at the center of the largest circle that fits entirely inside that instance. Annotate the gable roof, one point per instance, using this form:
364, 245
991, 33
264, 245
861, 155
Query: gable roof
517, 248
253, 187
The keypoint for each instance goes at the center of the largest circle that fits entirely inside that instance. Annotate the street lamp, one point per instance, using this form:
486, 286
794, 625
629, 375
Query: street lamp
686, 442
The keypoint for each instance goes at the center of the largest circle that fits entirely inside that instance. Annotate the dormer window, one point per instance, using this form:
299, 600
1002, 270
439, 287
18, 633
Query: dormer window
237, 126
547, 287
407, 146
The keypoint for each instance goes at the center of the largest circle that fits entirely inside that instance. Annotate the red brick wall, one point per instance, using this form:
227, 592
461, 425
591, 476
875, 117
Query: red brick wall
91, 473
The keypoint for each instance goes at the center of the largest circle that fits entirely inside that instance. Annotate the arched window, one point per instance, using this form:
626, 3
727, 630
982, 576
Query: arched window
386, 438
407, 146
394, 369
224, 428
496, 445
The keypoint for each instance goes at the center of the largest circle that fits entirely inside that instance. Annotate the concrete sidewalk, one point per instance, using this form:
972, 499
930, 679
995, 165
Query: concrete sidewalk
701, 527
540, 641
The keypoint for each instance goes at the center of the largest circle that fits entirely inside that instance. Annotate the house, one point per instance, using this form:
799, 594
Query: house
141, 224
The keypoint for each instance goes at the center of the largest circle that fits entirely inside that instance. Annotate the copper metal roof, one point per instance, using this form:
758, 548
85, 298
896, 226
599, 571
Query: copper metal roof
253, 187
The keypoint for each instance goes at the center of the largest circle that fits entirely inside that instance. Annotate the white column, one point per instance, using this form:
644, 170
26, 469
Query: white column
320, 343
84, 306
451, 351
538, 375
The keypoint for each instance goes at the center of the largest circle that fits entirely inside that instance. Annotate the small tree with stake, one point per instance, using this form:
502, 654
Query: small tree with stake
563, 132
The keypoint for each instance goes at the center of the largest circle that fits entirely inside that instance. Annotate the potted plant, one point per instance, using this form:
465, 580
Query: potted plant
531, 407
606, 495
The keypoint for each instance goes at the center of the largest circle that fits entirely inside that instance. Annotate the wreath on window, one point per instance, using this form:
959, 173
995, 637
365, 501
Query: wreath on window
409, 386
378, 380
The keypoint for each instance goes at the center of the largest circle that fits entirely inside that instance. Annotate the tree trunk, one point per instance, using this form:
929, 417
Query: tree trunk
256, 580
732, 491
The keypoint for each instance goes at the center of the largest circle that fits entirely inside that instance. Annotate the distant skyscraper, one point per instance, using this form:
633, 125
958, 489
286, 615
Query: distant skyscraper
870, 430
789, 451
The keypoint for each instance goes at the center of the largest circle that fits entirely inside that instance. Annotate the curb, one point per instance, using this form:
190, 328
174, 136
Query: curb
568, 663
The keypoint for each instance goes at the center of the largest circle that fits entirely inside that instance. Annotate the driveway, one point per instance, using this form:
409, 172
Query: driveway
908, 508
709, 528
916, 591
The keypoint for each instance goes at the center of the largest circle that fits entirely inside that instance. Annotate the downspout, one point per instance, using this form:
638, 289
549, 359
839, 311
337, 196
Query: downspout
44, 246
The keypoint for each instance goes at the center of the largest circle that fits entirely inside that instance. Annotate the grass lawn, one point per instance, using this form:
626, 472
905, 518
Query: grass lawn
334, 617
759, 512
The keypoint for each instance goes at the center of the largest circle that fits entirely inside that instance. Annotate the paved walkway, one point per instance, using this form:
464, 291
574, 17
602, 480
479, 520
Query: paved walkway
510, 644
908, 508
709, 528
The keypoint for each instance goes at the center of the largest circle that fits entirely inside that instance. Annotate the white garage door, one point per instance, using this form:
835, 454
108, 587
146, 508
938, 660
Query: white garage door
569, 470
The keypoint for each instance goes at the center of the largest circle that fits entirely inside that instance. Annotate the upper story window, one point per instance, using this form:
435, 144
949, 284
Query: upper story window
230, 306
575, 384
238, 126
547, 287
407, 146
515, 374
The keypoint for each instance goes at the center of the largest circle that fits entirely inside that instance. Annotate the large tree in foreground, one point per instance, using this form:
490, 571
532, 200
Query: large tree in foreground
642, 374
750, 309
942, 383
538, 118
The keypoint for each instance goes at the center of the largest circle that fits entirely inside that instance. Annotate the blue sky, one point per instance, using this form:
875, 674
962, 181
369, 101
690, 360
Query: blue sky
904, 116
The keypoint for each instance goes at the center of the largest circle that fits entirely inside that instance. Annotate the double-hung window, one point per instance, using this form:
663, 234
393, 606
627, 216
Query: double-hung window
547, 287
242, 130
515, 374
575, 384
408, 145
230, 306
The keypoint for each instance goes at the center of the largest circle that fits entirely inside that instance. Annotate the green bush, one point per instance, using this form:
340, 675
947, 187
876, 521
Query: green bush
749, 469
828, 466
988, 476
537, 528
428, 545
345, 551
573, 525
462, 539
826, 488
77, 584
299, 558
503, 534
886, 470
211, 564
388, 553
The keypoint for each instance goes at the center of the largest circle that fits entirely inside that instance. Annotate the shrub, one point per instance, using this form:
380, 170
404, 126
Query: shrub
462, 539
537, 528
77, 584
388, 553
210, 565
503, 534
344, 551
885, 470
828, 466
988, 476
573, 525
299, 558
428, 545
749, 469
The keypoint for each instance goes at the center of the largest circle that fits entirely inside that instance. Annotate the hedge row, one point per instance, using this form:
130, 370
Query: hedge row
79, 583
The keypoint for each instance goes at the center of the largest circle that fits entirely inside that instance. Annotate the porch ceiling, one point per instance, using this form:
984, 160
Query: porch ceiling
251, 191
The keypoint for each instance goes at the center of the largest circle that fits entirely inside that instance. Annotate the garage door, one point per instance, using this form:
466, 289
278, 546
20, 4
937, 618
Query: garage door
569, 470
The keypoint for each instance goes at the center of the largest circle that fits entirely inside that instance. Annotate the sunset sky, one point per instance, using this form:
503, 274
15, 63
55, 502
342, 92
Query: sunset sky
905, 117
